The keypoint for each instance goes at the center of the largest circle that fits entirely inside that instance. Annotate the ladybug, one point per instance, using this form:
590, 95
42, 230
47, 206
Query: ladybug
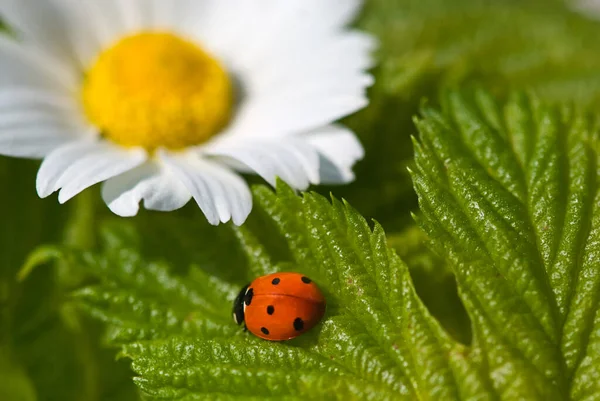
279, 306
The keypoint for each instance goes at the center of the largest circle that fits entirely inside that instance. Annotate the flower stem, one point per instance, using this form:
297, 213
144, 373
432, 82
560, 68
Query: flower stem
80, 229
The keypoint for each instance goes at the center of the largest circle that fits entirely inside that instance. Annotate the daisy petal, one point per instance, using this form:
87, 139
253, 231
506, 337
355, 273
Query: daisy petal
330, 14
333, 62
339, 149
23, 67
296, 92
269, 25
32, 141
221, 194
33, 123
290, 159
154, 184
163, 13
115, 19
43, 23
79, 165
57, 162
274, 118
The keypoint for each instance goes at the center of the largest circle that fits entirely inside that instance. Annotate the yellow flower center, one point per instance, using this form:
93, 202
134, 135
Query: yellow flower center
157, 90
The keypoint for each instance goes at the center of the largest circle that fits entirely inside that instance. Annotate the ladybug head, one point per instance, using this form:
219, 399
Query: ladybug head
238, 306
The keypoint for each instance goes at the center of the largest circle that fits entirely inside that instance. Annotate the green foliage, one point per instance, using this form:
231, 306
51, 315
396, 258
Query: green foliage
433, 281
46, 351
16, 385
509, 194
178, 330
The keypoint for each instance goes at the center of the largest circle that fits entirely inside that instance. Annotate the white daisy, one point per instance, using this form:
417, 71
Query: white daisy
166, 100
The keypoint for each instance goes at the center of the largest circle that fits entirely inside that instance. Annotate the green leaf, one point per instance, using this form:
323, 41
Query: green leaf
508, 198
509, 194
505, 192
434, 281
377, 340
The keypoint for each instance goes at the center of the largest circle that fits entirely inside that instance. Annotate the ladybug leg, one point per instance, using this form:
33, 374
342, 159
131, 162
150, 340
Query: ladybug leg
245, 328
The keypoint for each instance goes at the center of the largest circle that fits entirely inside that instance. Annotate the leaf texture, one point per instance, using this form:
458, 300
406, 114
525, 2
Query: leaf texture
508, 192
377, 340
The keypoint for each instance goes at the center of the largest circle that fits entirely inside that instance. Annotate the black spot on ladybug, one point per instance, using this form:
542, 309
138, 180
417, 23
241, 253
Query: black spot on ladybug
270, 309
306, 280
248, 296
275, 281
298, 324
264, 331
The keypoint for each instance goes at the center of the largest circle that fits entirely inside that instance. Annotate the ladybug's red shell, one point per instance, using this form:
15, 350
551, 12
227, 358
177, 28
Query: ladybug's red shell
282, 306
